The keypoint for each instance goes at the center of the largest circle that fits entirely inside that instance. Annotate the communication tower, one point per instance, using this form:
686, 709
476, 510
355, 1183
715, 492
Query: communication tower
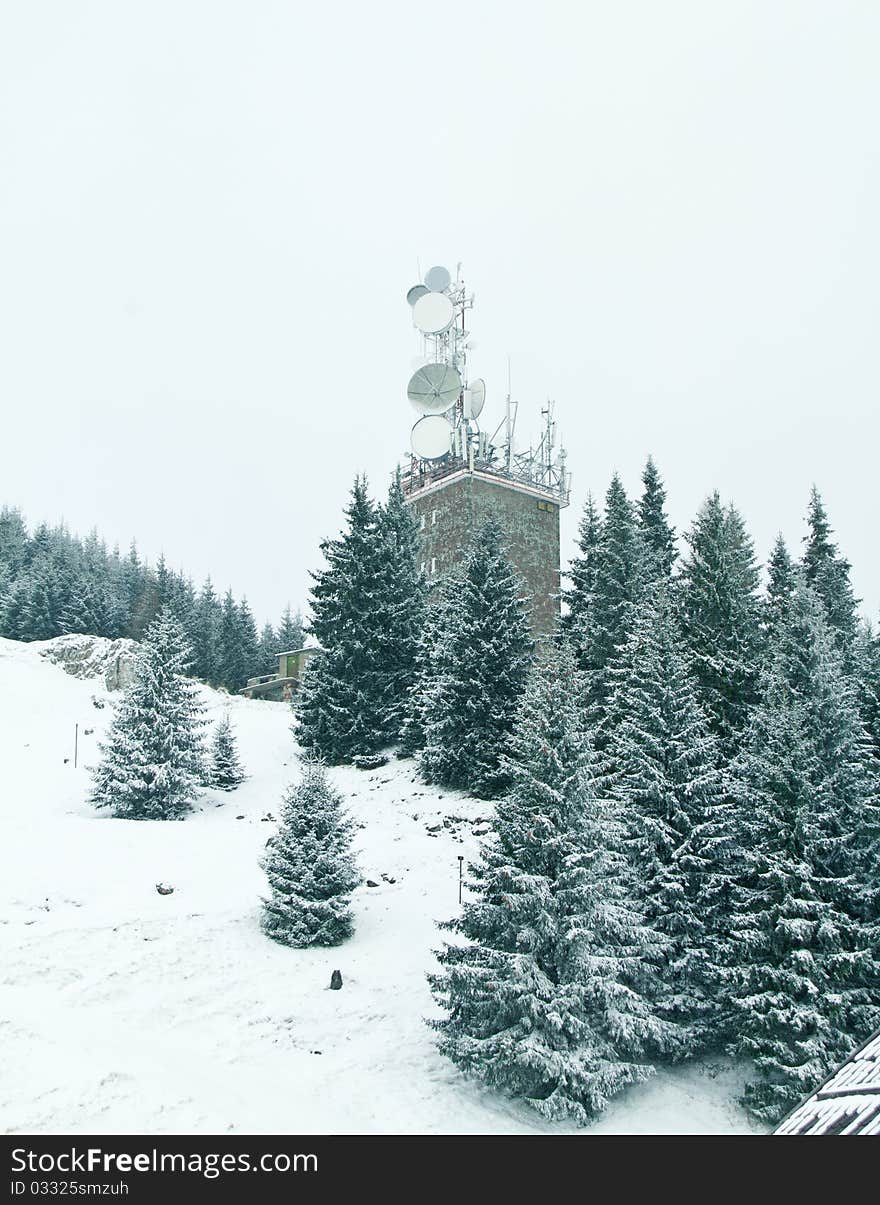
457, 472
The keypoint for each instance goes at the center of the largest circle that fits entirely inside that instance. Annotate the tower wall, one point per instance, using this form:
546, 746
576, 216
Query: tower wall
449, 510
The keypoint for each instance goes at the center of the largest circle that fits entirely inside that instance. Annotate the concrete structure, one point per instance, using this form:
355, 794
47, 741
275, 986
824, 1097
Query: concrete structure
284, 684
452, 498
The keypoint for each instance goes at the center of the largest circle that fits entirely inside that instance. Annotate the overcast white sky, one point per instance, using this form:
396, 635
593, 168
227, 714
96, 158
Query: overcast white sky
210, 213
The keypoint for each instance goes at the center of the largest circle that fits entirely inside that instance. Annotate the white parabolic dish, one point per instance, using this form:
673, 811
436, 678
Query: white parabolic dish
416, 292
434, 388
433, 314
438, 278
431, 437
474, 398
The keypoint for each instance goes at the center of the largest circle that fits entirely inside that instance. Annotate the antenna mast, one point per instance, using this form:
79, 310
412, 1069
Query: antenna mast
447, 435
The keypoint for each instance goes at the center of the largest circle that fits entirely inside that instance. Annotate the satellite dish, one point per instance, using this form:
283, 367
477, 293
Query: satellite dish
415, 293
474, 398
433, 313
437, 279
431, 437
434, 388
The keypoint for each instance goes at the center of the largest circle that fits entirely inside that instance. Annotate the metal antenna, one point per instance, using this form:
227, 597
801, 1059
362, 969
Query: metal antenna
447, 435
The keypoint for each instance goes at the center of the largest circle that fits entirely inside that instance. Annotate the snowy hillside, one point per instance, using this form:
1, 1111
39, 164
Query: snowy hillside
122, 1010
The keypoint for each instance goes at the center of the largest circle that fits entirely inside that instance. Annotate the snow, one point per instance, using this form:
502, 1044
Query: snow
126, 1011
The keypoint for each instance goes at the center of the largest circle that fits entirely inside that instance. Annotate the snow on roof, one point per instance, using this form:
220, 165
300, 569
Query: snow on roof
849, 1100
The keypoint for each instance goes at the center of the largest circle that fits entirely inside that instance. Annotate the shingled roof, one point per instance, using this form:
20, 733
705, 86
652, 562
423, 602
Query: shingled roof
849, 1100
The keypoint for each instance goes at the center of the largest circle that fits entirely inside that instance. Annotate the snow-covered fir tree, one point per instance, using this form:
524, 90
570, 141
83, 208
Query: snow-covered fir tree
226, 769
290, 631
660, 764
721, 615
658, 536
548, 997
780, 584
310, 866
87, 611
412, 731
340, 709
582, 570
52, 583
237, 643
604, 624
478, 667
206, 635
152, 760
866, 661
269, 648
805, 982
401, 592
828, 573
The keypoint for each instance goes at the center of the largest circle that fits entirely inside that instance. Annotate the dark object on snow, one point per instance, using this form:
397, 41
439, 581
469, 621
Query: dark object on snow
66, 760
99, 703
164, 889
369, 761
241, 817
370, 883
88, 731
336, 981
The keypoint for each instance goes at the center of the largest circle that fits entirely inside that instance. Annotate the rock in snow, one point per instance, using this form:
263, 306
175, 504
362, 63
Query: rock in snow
92, 657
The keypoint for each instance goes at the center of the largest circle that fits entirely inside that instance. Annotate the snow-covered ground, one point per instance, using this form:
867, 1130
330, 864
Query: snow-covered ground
122, 1010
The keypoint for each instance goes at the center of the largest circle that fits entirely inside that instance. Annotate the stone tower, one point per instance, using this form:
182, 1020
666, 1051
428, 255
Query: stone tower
449, 505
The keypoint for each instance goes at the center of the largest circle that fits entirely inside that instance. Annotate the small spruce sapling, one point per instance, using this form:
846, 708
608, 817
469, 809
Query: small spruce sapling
310, 866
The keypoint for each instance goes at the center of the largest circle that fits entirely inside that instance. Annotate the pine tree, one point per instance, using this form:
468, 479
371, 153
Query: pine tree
269, 649
249, 642
42, 610
13, 540
206, 635
721, 618
401, 603
310, 866
15, 623
617, 585
412, 731
828, 573
780, 585
660, 764
582, 572
548, 998
806, 981
226, 768
866, 659
340, 708
478, 668
237, 645
153, 760
290, 631
87, 612
658, 537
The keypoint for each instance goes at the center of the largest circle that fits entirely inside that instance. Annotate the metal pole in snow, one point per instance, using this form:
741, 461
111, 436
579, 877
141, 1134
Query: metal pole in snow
75, 743
460, 862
